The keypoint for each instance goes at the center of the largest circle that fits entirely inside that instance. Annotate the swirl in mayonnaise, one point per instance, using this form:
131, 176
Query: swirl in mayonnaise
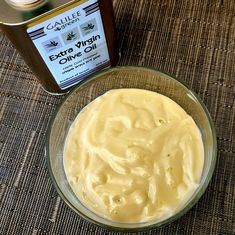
133, 155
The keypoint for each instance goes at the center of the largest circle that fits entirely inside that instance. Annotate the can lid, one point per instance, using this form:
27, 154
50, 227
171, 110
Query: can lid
14, 12
25, 4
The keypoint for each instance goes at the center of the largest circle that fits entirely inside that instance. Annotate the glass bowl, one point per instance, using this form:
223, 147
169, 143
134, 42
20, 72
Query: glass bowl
125, 77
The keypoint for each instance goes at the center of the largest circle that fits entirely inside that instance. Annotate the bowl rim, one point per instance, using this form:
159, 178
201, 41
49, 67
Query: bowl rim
166, 221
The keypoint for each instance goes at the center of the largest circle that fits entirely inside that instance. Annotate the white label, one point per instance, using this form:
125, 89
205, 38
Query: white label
72, 44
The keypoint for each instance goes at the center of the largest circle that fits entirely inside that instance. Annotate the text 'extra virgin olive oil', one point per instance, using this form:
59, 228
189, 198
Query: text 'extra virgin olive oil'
63, 42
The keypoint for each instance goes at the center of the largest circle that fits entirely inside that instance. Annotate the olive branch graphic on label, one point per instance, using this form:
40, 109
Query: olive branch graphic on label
71, 35
52, 44
88, 27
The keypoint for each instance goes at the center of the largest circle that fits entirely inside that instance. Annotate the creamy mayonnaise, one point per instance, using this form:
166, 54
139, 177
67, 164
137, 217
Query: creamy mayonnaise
133, 155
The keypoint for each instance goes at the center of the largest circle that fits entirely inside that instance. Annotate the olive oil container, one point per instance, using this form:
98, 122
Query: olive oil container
63, 42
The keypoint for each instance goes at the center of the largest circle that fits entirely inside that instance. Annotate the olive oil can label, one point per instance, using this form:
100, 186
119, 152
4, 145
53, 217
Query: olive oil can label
72, 43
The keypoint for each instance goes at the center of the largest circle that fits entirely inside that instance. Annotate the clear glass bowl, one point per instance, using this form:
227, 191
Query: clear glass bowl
125, 77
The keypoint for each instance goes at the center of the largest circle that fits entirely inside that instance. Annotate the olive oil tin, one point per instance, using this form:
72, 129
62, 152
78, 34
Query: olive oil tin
63, 42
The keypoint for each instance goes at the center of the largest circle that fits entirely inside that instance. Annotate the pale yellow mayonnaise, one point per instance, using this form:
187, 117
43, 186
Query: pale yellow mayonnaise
133, 155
